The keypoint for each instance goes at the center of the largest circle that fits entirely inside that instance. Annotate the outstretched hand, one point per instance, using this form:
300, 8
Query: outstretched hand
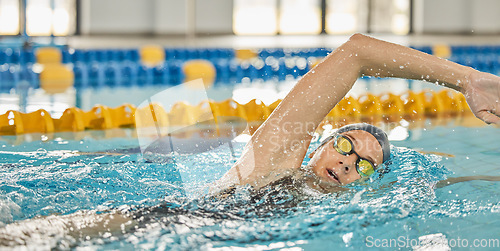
483, 96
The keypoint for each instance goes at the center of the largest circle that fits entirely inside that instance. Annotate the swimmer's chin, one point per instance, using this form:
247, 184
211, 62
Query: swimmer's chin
330, 187
313, 181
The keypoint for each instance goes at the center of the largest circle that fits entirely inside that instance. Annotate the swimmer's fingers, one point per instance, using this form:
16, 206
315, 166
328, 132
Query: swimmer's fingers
483, 96
488, 117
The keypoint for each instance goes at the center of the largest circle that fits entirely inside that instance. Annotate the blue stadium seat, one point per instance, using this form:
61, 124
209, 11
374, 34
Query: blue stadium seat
9, 79
97, 76
129, 74
27, 74
145, 75
176, 73
161, 75
81, 73
113, 74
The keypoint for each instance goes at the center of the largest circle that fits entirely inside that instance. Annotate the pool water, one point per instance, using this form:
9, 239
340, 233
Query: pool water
393, 210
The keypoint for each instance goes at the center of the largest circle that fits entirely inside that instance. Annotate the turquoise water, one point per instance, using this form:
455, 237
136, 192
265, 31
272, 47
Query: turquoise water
394, 209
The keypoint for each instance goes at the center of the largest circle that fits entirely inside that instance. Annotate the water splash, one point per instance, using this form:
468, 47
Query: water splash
399, 199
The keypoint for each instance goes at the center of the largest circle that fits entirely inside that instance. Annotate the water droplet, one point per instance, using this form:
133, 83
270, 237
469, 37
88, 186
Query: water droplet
41, 151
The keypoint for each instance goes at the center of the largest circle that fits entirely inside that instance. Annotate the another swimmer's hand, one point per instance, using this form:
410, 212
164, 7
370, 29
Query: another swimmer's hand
483, 96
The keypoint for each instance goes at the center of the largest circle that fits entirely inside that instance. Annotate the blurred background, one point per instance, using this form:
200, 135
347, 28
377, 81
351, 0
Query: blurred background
167, 18
257, 48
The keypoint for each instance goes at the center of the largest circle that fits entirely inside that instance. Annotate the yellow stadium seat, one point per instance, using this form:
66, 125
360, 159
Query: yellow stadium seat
441, 50
245, 54
196, 69
152, 55
56, 78
48, 55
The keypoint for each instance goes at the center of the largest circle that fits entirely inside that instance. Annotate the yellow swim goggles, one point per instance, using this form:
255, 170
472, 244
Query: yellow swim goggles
344, 146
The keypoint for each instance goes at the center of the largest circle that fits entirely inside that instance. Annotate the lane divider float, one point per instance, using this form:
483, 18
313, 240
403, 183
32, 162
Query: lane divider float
100, 117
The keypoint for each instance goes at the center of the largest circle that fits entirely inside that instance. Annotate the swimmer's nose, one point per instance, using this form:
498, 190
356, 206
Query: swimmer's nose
348, 163
347, 169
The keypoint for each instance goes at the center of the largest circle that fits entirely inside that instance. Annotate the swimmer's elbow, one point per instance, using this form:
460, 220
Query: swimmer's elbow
357, 36
358, 39
356, 43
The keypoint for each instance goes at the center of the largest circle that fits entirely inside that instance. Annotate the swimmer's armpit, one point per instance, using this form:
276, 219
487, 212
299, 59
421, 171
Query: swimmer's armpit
451, 181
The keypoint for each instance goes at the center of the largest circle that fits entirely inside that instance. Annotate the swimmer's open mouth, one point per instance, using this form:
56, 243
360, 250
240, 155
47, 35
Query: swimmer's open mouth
333, 175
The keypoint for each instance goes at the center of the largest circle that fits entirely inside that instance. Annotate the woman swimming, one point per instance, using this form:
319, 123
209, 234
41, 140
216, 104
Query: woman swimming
279, 145
276, 150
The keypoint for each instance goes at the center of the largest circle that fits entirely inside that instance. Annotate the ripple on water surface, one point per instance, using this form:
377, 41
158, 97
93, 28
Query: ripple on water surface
41, 179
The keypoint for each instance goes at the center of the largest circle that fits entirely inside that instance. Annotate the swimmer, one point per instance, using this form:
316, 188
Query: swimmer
277, 149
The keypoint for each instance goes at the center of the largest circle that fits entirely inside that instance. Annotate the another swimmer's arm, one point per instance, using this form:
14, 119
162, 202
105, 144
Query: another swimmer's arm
451, 181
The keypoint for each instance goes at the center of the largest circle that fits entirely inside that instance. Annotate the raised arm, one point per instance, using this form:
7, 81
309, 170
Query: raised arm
281, 142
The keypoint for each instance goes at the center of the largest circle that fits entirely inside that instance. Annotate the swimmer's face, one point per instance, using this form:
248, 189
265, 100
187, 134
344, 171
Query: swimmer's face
333, 169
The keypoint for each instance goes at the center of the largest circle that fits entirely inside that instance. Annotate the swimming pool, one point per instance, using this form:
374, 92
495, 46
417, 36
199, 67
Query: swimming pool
393, 210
